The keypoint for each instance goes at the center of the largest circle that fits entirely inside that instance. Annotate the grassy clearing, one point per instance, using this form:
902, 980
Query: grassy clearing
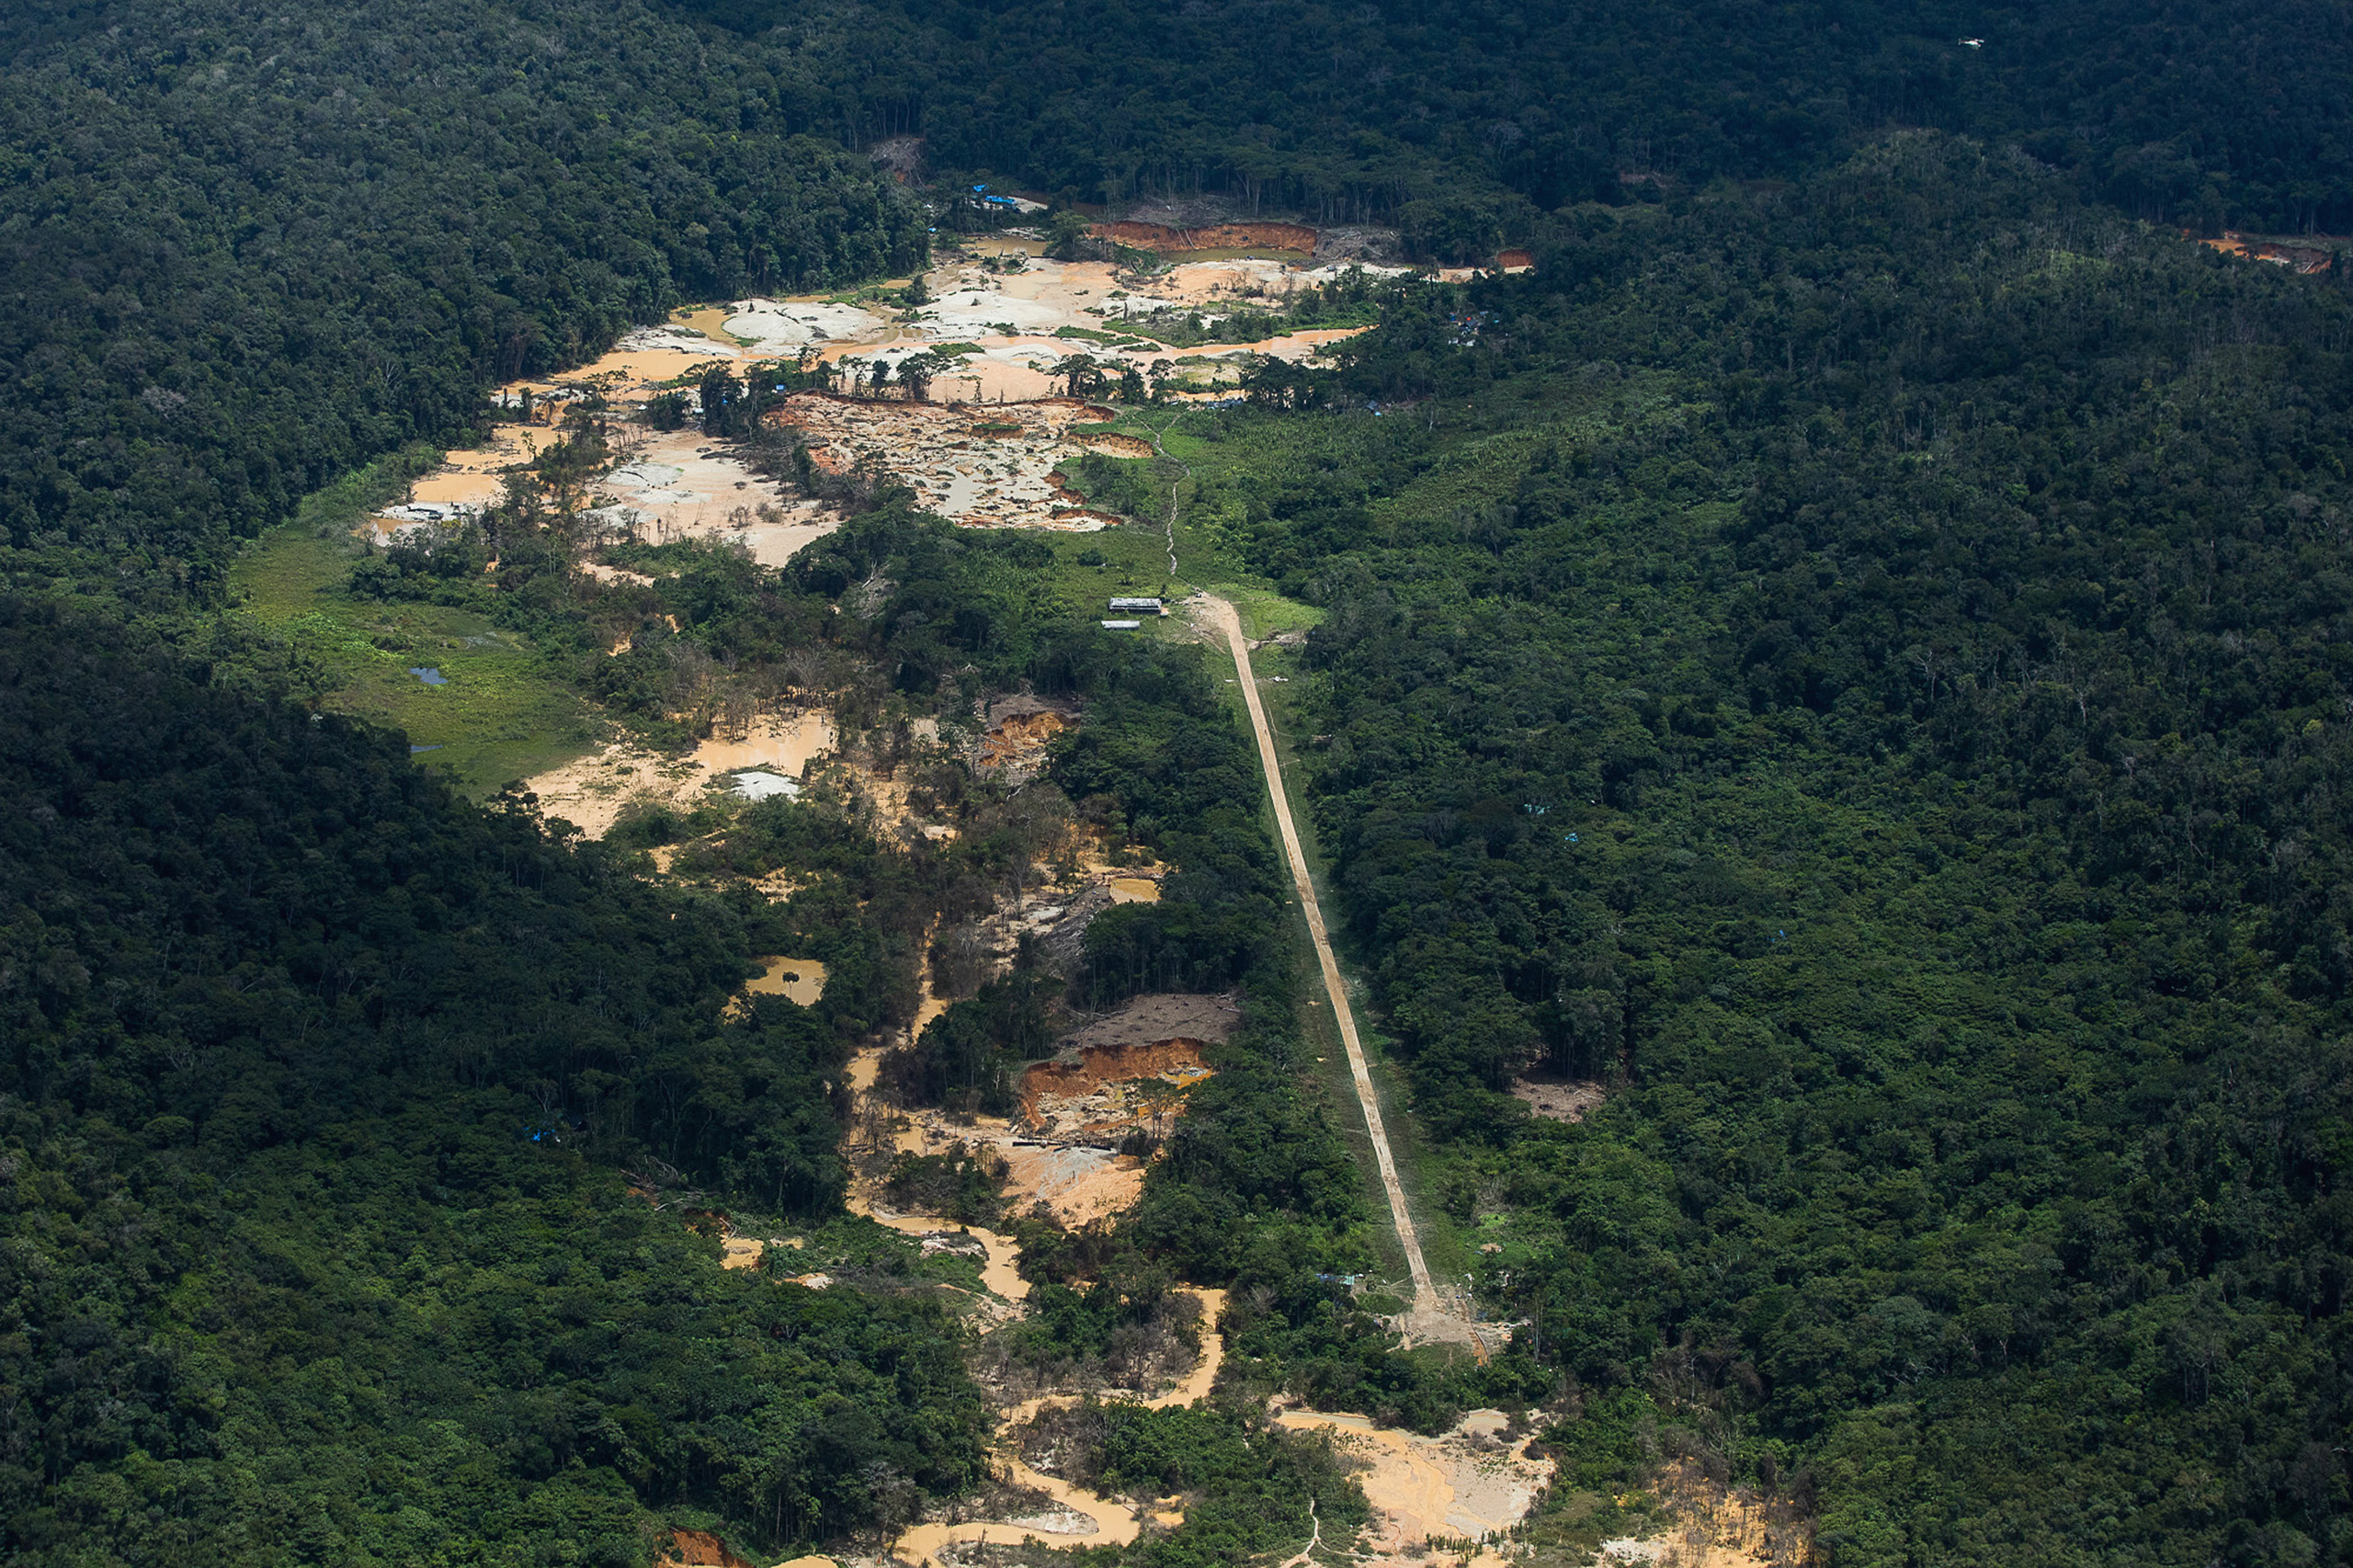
504, 713
1120, 562
1266, 613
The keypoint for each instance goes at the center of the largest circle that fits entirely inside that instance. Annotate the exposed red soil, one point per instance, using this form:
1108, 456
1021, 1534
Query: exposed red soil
1217, 236
2313, 252
1119, 446
1516, 259
1100, 1064
1020, 736
697, 1549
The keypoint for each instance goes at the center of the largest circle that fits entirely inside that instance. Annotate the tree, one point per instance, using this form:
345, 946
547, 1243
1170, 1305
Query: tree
1067, 238
1080, 374
718, 392
916, 372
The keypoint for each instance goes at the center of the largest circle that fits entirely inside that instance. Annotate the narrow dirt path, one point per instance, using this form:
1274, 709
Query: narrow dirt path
1185, 472
1316, 1538
1115, 1524
1426, 1297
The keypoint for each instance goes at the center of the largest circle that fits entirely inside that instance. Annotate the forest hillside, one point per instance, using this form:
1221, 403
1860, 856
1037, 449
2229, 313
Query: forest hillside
1857, 675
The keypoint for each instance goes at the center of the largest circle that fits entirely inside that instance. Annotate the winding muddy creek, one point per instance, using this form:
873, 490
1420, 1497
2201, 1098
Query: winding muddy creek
1115, 1524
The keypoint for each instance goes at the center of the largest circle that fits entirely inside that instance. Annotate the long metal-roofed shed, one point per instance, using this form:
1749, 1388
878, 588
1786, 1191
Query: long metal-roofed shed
1138, 607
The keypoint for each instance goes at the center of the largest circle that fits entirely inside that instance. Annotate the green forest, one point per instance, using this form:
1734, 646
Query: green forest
1860, 671
1462, 125
1849, 659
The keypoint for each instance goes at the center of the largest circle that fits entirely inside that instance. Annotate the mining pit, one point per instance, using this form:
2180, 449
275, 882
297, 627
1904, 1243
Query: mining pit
593, 792
1005, 330
1108, 1091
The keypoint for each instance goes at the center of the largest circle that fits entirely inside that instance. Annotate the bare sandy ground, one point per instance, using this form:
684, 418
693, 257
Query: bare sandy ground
662, 486
1108, 1522
979, 467
781, 328
796, 980
1716, 1527
476, 477
681, 485
1080, 1185
1461, 1485
591, 792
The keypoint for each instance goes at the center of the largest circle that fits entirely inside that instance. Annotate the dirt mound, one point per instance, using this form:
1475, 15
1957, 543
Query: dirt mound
1064, 939
1118, 446
1367, 246
1162, 1016
1215, 236
697, 1549
1558, 1099
1091, 1096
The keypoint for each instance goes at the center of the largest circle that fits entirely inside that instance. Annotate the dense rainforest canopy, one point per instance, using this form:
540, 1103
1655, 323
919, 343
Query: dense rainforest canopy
251, 246
1463, 121
317, 1087
1864, 671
